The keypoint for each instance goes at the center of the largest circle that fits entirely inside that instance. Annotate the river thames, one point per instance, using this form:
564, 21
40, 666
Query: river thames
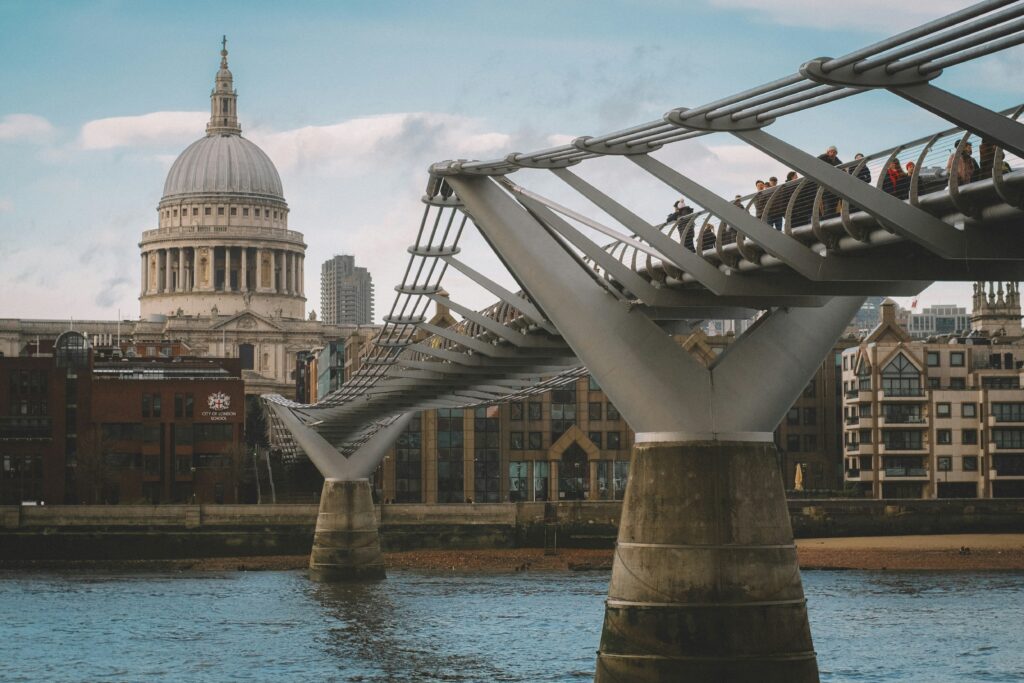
278, 626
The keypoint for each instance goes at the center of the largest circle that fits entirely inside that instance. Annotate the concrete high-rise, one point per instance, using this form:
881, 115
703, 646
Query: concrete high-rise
346, 292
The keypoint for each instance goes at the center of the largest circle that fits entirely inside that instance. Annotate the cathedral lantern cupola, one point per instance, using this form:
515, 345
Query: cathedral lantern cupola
223, 99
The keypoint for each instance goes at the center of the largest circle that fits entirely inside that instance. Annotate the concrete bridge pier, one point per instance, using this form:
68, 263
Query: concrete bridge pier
705, 583
346, 542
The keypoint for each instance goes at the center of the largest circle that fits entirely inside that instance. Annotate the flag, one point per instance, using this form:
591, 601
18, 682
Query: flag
913, 303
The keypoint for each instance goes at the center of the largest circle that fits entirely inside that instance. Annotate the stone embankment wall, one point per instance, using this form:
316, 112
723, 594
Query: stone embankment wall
185, 531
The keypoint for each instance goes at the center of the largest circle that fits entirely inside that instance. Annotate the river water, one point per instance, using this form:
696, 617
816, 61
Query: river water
278, 626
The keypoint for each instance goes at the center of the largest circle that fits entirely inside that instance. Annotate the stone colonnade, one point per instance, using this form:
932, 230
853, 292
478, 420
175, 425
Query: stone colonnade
222, 268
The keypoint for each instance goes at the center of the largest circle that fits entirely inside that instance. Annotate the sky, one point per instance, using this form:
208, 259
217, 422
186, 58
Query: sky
353, 101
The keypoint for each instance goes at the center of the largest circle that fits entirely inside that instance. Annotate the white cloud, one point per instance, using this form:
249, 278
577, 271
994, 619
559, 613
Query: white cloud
157, 129
382, 139
22, 126
882, 16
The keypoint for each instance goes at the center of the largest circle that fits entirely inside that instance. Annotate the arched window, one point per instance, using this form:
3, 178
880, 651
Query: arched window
71, 350
901, 378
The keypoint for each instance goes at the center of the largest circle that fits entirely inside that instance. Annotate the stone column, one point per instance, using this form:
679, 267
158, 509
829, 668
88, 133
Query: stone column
302, 274
181, 270
592, 492
227, 268
145, 267
167, 269
243, 277
273, 270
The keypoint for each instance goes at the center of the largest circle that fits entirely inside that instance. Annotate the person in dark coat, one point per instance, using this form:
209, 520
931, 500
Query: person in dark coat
829, 201
964, 166
864, 173
679, 209
895, 181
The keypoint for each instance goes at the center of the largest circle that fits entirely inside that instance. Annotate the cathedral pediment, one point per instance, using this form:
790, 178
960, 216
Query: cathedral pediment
247, 321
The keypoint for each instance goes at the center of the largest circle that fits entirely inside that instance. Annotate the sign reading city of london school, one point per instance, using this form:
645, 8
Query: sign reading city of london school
219, 404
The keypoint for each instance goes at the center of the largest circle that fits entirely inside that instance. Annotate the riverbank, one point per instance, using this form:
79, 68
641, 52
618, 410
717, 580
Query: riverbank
951, 552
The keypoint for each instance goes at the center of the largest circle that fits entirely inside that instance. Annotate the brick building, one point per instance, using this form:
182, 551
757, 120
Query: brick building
81, 424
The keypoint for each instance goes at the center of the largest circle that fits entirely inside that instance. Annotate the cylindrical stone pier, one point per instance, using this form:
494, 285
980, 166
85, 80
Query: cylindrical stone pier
705, 584
346, 544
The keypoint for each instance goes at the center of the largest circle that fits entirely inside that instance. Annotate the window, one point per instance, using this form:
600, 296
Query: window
942, 410
865, 410
212, 432
934, 383
156, 405
969, 410
944, 463
810, 416
517, 481
865, 436
534, 410
793, 443
195, 210
534, 441
147, 405
450, 455
245, 211
183, 434
594, 411
933, 359
515, 411
957, 383
1000, 382
901, 378
611, 412
970, 463
408, 463
1012, 439
902, 413
515, 441
189, 405
234, 211
592, 384
541, 475
956, 359
621, 478
207, 211
1008, 412
563, 412
486, 455
793, 416
614, 441
903, 440
220, 210
969, 436
595, 438
151, 433
944, 436
256, 212
175, 213
179, 405
810, 443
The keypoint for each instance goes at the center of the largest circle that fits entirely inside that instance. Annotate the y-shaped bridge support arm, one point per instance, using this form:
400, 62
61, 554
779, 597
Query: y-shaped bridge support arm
346, 543
705, 584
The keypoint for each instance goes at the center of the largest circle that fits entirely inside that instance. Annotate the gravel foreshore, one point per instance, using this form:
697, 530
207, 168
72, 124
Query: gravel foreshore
960, 552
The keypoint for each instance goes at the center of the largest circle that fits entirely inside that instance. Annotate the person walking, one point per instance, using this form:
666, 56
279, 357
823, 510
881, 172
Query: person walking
829, 201
963, 165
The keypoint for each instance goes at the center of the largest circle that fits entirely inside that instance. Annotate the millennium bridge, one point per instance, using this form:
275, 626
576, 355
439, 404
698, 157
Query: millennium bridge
705, 583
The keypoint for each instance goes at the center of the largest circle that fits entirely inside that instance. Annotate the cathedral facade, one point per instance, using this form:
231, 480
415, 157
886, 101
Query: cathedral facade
222, 274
